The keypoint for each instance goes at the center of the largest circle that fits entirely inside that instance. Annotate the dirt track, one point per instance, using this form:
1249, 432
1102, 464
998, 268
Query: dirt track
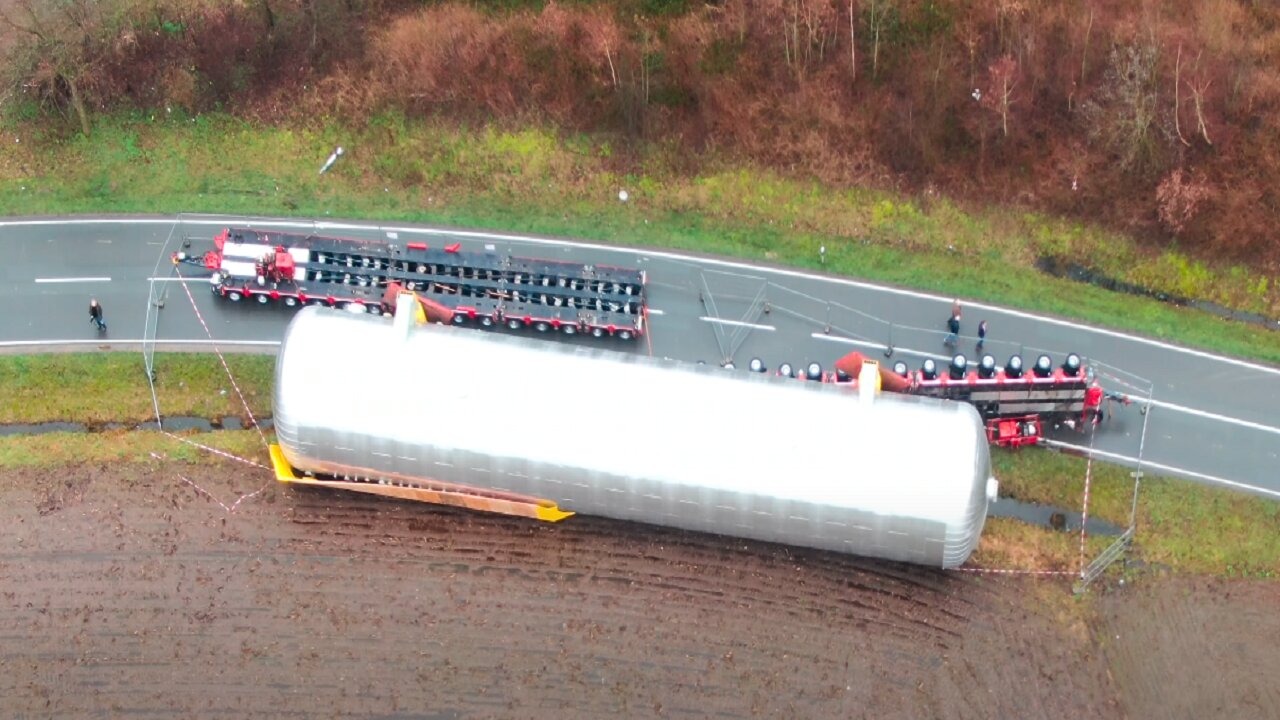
130, 594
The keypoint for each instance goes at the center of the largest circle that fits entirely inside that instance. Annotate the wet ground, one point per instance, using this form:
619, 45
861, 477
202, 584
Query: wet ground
128, 593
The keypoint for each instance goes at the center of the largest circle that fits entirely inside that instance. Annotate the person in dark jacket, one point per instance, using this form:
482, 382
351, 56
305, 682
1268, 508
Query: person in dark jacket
95, 314
953, 330
982, 334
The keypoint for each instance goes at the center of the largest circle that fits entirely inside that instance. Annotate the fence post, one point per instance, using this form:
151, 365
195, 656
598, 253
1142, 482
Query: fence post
1133, 509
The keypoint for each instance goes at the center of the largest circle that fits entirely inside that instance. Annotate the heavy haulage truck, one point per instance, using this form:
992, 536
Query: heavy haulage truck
457, 286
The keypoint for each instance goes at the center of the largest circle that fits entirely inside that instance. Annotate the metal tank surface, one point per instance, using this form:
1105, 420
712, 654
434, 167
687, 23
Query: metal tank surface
635, 438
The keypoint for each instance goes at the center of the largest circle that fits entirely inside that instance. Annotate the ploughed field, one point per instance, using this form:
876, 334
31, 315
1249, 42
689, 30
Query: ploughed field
128, 593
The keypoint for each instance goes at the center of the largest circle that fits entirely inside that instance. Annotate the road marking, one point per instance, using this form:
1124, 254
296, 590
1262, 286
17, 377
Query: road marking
737, 323
880, 346
177, 279
655, 311
650, 252
114, 341
73, 280
1211, 416
1166, 468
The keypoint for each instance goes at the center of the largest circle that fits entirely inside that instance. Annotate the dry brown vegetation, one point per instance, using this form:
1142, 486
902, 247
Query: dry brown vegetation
1158, 117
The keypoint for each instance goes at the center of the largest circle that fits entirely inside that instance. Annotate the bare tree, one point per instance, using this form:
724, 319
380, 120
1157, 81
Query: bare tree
1177, 99
1178, 200
809, 28
853, 47
1125, 113
1199, 85
999, 98
57, 57
877, 14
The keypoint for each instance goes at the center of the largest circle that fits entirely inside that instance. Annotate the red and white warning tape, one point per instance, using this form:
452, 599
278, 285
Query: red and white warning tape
1001, 571
218, 351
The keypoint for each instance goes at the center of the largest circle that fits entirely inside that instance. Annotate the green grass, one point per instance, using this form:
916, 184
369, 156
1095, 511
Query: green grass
1185, 525
532, 180
112, 387
62, 449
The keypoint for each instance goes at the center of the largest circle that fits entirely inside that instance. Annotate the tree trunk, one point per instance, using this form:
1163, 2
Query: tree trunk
271, 16
77, 103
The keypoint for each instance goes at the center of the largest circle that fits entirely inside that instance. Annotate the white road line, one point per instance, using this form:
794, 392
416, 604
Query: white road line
737, 323
655, 311
1166, 468
73, 280
1214, 416
649, 252
178, 279
880, 346
118, 341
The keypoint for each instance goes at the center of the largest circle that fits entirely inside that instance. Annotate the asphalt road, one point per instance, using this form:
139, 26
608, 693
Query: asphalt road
1211, 418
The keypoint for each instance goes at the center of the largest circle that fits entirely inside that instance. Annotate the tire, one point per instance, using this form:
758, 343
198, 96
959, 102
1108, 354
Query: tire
263, 298
459, 318
290, 301
486, 321
597, 332
626, 334
542, 326
569, 329
515, 324
234, 296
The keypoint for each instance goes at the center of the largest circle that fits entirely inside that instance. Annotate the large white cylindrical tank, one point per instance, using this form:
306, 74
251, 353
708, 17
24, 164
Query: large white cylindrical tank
635, 438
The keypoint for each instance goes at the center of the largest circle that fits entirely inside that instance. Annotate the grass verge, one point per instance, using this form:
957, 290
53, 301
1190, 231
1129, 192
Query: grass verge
112, 387
1185, 525
63, 449
534, 180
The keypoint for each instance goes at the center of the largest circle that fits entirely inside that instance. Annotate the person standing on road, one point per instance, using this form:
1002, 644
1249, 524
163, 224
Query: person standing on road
953, 325
95, 314
982, 334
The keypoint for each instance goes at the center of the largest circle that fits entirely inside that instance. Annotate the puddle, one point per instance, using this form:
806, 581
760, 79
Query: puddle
1050, 517
172, 424
41, 428
1079, 273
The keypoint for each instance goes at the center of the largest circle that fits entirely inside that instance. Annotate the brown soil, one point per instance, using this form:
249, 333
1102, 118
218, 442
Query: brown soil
1195, 649
127, 593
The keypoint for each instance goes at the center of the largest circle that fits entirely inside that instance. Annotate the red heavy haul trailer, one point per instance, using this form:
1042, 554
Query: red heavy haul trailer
1013, 400
455, 285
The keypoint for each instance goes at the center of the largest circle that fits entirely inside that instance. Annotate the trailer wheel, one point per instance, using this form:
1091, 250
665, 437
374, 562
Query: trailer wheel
569, 329
597, 332
541, 326
234, 296
374, 309
459, 318
625, 334
263, 299
514, 324
291, 301
486, 321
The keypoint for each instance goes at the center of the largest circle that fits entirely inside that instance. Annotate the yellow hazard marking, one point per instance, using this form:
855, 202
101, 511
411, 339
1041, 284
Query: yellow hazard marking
284, 471
544, 510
